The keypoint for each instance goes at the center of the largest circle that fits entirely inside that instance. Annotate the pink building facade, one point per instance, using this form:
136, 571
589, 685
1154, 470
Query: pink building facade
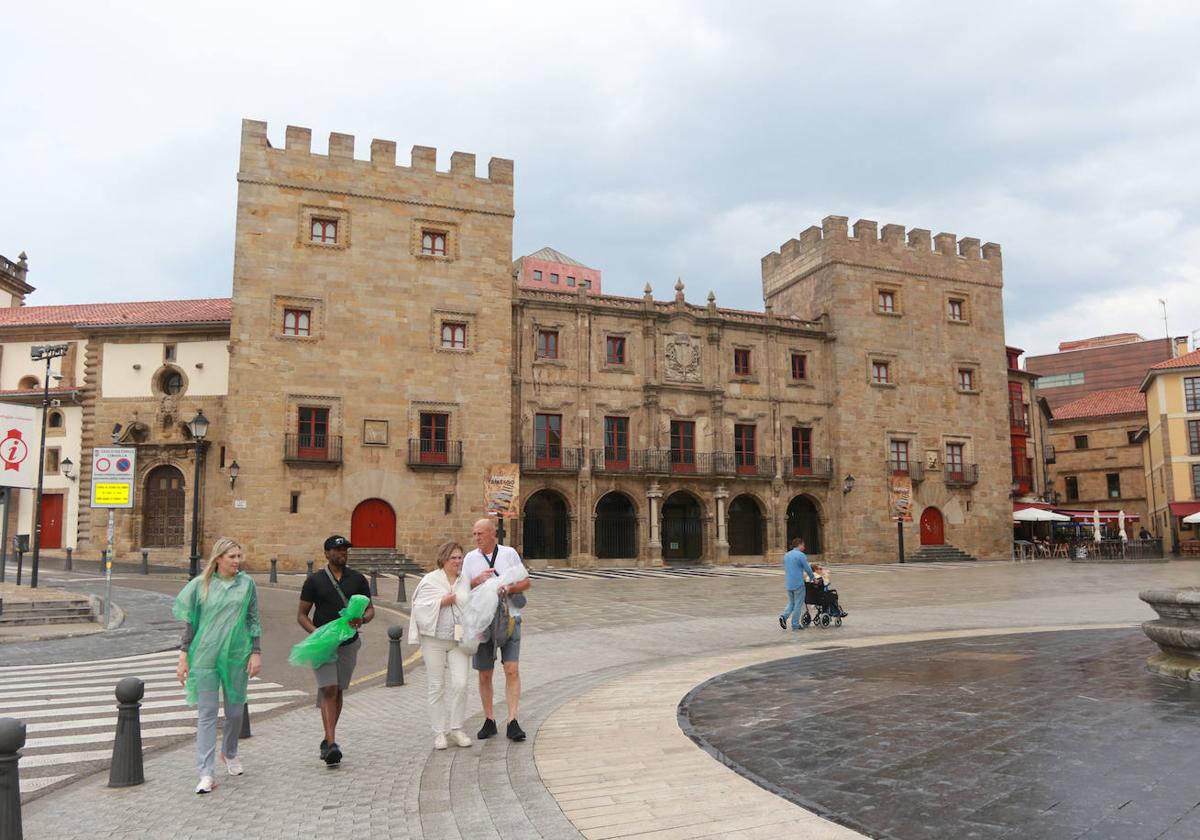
554, 271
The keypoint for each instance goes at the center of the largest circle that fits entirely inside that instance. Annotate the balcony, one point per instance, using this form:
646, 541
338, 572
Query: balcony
434, 454
964, 475
910, 468
1049, 455
325, 450
819, 471
629, 461
551, 459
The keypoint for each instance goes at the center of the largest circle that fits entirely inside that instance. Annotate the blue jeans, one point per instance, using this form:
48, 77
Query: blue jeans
795, 606
206, 730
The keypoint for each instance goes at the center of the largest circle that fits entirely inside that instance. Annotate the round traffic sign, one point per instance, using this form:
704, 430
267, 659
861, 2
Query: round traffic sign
103, 465
123, 465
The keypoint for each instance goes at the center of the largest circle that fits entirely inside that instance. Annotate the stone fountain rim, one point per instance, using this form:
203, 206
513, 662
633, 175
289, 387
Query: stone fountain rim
1178, 595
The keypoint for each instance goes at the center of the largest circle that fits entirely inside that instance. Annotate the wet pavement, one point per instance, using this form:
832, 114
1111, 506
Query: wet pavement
1051, 735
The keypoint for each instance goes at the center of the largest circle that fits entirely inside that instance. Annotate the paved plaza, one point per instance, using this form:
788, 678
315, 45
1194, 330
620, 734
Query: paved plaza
822, 733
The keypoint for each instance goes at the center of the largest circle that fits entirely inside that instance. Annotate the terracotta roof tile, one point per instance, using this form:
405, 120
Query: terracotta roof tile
211, 310
1101, 403
1186, 360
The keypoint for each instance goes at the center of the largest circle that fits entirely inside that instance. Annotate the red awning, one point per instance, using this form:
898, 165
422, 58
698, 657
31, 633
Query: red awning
1105, 515
1184, 508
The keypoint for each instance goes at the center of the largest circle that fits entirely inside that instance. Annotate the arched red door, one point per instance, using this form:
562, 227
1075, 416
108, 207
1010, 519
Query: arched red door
933, 528
373, 525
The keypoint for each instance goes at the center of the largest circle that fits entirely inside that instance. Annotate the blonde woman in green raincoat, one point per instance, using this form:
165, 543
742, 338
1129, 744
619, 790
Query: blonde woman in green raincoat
219, 653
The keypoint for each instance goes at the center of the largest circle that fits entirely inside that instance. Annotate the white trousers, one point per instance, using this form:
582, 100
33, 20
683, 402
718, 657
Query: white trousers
440, 654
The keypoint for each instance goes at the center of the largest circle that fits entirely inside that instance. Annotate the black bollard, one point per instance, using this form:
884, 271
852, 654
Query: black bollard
245, 733
401, 595
70, 551
126, 769
374, 583
274, 570
20, 559
12, 738
310, 567
395, 674
145, 562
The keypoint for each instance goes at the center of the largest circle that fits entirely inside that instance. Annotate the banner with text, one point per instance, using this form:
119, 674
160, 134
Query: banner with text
502, 489
900, 497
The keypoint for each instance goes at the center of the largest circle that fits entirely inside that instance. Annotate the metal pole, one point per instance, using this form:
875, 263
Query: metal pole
900, 537
4, 497
194, 560
108, 558
37, 516
12, 738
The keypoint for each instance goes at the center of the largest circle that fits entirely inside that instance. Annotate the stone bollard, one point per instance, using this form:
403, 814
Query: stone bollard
274, 570
70, 560
395, 674
126, 769
145, 562
245, 733
20, 562
401, 595
374, 583
12, 738
310, 567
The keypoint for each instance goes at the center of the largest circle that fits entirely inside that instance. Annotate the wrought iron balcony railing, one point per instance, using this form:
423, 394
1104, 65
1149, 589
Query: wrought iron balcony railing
914, 470
818, 469
559, 459
312, 448
963, 475
435, 454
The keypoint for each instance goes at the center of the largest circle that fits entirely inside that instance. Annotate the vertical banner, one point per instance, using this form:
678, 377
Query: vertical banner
19, 430
900, 497
502, 489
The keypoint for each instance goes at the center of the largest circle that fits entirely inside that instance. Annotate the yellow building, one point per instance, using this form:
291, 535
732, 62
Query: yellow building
1171, 446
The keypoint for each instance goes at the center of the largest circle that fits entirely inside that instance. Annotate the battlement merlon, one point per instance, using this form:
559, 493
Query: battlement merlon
296, 165
888, 248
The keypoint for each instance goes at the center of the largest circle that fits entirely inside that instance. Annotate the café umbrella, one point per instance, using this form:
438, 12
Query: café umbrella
1121, 525
1096, 525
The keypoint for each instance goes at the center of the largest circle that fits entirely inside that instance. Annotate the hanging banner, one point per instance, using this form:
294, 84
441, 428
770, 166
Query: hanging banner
900, 497
19, 430
501, 489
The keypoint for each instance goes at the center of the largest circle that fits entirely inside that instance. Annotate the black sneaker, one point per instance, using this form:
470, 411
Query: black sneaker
333, 756
487, 730
515, 732
782, 623
324, 748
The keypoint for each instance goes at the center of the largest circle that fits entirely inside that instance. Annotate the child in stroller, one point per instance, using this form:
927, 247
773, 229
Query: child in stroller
818, 593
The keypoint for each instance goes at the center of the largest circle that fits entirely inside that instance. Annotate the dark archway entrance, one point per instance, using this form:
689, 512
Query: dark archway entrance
683, 530
804, 521
545, 533
163, 508
746, 525
373, 525
933, 528
616, 528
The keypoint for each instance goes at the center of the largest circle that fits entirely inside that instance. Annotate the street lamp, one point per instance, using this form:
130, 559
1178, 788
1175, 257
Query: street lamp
68, 468
37, 353
234, 469
199, 428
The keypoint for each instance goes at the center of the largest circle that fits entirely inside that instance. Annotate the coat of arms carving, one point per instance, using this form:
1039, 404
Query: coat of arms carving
683, 359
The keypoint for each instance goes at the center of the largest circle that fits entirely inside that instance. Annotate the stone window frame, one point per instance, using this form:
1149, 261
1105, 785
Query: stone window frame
969, 365
441, 317
965, 299
452, 410
311, 212
316, 317
878, 288
750, 349
156, 380
559, 327
294, 402
625, 366
967, 442
61, 429
892, 361
386, 432
53, 463
807, 381
444, 227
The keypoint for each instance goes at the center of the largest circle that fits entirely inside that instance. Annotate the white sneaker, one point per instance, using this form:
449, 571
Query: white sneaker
234, 766
460, 738
439, 743
206, 785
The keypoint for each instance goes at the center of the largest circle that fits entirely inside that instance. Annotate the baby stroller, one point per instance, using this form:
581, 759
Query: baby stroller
825, 603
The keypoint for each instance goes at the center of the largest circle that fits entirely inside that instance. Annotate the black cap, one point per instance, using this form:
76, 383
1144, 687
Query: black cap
337, 541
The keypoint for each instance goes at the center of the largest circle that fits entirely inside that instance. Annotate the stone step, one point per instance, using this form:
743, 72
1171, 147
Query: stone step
940, 554
37, 606
7, 620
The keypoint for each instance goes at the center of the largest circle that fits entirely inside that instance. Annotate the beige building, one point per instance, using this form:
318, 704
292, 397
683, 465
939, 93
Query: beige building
1171, 449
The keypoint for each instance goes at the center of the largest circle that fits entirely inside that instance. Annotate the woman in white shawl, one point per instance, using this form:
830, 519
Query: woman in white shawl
437, 610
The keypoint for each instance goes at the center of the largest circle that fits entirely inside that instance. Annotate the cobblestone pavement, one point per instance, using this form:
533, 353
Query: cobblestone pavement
1049, 735
580, 635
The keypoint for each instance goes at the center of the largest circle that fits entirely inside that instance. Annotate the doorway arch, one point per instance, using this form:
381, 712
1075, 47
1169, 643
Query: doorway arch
164, 508
933, 527
746, 526
373, 525
545, 533
616, 528
804, 521
682, 528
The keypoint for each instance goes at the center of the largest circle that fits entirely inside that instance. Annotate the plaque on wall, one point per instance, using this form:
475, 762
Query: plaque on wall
375, 432
683, 359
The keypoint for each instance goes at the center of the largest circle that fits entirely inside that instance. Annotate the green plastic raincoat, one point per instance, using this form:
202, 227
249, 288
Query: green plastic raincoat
322, 644
225, 623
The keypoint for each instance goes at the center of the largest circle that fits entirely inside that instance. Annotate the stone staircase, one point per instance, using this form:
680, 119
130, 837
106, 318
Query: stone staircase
938, 554
65, 611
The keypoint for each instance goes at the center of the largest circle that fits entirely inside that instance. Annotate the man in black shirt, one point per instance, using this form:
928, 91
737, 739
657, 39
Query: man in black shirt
325, 594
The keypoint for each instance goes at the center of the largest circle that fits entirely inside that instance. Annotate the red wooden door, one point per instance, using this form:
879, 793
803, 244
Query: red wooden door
373, 525
52, 520
933, 529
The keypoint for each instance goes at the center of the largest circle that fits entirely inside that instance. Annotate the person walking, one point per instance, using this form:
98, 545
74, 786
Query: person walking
795, 571
219, 653
489, 558
437, 620
325, 594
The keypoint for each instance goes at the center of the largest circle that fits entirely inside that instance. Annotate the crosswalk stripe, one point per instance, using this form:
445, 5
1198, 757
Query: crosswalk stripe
93, 679
158, 717
30, 785
28, 762
267, 693
115, 662
103, 737
106, 699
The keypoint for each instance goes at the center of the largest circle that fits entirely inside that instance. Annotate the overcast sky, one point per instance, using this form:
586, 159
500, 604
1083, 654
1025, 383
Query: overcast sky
651, 140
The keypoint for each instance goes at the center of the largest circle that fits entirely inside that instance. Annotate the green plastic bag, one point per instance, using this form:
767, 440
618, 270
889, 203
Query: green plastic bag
322, 644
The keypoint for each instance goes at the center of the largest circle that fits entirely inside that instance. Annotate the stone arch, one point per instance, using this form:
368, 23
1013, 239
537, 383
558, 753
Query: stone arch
616, 527
546, 526
747, 526
804, 520
682, 527
169, 381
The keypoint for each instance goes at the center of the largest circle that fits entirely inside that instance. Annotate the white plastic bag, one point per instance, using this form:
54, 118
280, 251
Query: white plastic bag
481, 608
